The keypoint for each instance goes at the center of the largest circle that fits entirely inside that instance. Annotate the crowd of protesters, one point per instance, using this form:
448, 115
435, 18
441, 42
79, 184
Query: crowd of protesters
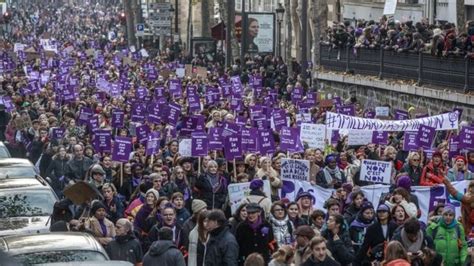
441, 39
167, 209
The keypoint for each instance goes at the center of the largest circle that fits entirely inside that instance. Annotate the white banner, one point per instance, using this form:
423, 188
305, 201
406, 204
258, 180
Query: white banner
294, 169
313, 135
184, 148
375, 171
238, 192
445, 121
359, 137
428, 197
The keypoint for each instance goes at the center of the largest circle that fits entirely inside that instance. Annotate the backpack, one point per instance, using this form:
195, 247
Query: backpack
458, 233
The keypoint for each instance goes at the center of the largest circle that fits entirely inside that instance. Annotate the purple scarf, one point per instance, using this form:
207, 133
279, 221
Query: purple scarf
256, 224
103, 227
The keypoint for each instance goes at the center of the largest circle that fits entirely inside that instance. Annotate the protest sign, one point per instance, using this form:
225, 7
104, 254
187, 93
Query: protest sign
359, 137
313, 135
425, 136
57, 133
266, 143
447, 121
122, 149
102, 140
289, 139
239, 191
375, 171
153, 143
199, 144
382, 111
380, 137
249, 142
294, 169
215, 138
233, 147
466, 138
409, 141
184, 148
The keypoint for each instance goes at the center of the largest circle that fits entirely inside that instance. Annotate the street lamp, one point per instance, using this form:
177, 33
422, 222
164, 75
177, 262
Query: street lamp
280, 11
171, 24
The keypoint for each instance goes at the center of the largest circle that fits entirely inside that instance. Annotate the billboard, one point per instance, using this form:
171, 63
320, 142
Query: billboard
259, 33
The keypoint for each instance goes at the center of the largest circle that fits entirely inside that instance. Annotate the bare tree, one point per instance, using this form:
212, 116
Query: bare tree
289, 37
318, 12
207, 7
295, 21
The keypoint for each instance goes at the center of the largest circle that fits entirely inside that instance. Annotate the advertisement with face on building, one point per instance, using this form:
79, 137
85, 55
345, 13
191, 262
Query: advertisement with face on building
259, 32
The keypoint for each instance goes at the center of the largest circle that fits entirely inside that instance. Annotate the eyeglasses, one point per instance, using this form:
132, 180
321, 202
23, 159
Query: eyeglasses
180, 172
416, 160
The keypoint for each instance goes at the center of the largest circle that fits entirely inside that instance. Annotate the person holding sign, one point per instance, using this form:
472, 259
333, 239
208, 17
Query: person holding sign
434, 172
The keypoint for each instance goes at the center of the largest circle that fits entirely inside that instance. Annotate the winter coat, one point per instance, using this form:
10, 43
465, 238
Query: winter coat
358, 231
56, 170
302, 254
350, 213
193, 247
282, 231
215, 198
449, 241
222, 248
311, 261
125, 248
413, 172
179, 238
373, 237
453, 176
467, 210
164, 253
437, 175
119, 209
321, 179
93, 225
76, 170
341, 249
262, 201
182, 215
261, 240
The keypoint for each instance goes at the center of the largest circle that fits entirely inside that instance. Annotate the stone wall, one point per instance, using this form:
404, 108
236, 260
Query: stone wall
375, 92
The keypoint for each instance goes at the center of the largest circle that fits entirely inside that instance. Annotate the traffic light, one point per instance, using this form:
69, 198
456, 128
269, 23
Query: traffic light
122, 18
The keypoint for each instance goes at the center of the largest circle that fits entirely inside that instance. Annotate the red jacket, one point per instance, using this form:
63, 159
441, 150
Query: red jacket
436, 175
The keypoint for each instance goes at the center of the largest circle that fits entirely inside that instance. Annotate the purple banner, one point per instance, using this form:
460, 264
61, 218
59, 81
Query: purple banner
466, 138
102, 140
346, 110
118, 118
409, 142
249, 142
289, 138
425, 136
215, 139
199, 144
380, 137
122, 149
266, 142
233, 147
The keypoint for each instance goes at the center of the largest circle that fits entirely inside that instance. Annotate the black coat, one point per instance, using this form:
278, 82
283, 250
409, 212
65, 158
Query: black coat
373, 237
125, 248
250, 241
341, 249
221, 248
164, 253
213, 199
327, 262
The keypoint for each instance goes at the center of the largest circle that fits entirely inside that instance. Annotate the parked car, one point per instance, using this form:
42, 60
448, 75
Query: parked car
4, 152
17, 168
53, 247
26, 205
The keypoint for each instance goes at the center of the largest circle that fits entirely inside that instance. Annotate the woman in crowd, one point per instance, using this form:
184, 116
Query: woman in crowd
102, 228
140, 222
114, 206
56, 170
357, 199
358, 228
339, 241
434, 172
168, 219
282, 226
197, 241
212, 188
239, 216
399, 215
413, 168
251, 164
330, 176
396, 255
266, 172
459, 170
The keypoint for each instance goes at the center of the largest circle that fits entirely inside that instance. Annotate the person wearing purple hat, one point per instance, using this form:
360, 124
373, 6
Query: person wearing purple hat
357, 229
376, 237
305, 202
449, 237
257, 195
330, 176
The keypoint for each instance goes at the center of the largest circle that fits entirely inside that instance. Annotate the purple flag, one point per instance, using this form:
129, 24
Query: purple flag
466, 138
409, 142
122, 149
174, 113
142, 133
215, 138
118, 118
153, 143
425, 136
289, 138
233, 147
102, 139
199, 144
266, 142
380, 137
249, 142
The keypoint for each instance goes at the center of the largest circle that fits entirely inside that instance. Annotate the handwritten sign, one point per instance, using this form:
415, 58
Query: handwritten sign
376, 171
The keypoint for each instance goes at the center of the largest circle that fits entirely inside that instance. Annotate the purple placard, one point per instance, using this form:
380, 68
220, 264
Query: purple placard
175, 88
237, 85
266, 142
215, 138
346, 110
138, 112
142, 133
297, 95
174, 113
57, 133
335, 137
453, 146
118, 118
159, 92
380, 137
230, 129
194, 103
369, 114
401, 115
102, 140
261, 122
409, 142
233, 147
141, 93
425, 136
466, 138
312, 98
337, 101
249, 142
154, 113
199, 144
153, 143
289, 138
84, 115
93, 123
122, 149
279, 119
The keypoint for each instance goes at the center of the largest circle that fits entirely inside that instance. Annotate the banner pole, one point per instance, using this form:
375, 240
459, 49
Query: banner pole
199, 165
235, 169
121, 174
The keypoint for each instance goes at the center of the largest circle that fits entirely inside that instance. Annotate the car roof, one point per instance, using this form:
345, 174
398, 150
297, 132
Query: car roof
20, 183
12, 162
34, 243
90, 263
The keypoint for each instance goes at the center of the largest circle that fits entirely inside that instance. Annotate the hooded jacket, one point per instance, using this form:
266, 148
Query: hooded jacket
125, 248
448, 243
164, 253
221, 248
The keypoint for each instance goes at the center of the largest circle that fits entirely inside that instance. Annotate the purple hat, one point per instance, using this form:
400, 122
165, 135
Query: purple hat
256, 184
383, 208
449, 208
404, 181
303, 195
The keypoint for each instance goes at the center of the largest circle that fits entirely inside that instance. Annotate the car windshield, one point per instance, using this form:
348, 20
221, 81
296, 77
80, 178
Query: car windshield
17, 172
4, 153
26, 203
59, 256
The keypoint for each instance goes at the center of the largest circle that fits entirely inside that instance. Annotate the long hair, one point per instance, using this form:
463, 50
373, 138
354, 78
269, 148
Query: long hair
202, 232
394, 251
